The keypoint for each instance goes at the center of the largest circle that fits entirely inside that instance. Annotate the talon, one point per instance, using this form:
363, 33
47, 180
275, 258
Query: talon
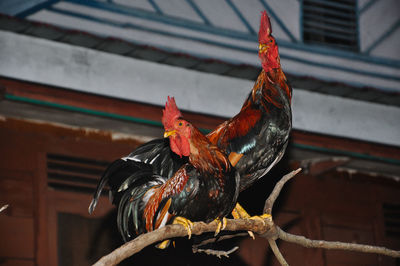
251, 234
186, 223
221, 225
224, 223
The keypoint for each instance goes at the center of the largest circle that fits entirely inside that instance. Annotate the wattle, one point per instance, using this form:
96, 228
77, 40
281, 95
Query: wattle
180, 146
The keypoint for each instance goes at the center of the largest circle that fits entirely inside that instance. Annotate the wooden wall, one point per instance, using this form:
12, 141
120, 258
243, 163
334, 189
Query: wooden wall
28, 227
48, 173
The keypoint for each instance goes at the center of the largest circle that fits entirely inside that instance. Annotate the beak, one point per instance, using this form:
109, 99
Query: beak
169, 133
262, 47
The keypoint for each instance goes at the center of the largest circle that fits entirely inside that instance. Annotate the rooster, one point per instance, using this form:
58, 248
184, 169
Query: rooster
256, 138
194, 180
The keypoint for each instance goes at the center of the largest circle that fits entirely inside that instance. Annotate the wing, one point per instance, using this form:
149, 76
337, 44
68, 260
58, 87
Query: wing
152, 213
257, 136
195, 196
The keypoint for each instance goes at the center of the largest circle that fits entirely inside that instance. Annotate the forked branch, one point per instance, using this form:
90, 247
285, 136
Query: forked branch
265, 228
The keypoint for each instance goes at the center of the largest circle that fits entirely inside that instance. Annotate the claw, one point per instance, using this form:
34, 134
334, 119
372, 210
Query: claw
251, 234
186, 223
163, 245
221, 225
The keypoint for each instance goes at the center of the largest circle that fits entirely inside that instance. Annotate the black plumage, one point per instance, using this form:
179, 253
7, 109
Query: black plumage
153, 185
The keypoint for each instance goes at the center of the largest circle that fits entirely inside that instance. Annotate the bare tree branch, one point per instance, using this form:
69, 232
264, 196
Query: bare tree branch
218, 253
308, 243
264, 227
4, 207
176, 230
218, 238
269, 203
277, 252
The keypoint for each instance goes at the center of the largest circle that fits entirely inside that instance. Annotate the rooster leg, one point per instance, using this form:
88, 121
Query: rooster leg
221, 225
240, 213
186, 223
261, 217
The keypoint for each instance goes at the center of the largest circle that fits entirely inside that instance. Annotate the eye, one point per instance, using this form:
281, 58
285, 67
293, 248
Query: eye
180, 124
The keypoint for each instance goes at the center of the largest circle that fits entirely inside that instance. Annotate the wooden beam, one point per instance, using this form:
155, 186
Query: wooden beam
307, 140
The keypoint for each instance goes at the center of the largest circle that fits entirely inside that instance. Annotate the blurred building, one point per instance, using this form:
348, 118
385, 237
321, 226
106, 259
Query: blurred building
83, 83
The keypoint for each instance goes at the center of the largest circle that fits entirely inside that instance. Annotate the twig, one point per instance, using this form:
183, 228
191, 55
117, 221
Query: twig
269, 203
277, 252
308, 243
218, 253
218, 238
4, 207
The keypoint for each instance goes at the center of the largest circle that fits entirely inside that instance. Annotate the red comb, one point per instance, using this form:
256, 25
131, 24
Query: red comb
265, 28
170, 113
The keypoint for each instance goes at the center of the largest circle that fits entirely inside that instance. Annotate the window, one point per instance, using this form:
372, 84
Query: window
331, 23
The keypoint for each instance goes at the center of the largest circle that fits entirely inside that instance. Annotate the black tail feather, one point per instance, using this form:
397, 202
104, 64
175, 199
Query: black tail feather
111, 169
129, 178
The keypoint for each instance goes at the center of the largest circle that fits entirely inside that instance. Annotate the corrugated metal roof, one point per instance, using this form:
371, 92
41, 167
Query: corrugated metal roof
149, 53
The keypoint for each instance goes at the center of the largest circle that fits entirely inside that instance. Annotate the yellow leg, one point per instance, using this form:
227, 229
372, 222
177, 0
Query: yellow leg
261, 217
239, 213
182, 221
221, 225
186, 223
163, 245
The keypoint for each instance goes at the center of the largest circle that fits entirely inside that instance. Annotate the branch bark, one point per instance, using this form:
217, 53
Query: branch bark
176, 230
264, 227
4, 207
308, 243
217, 253
277, 252
269, 203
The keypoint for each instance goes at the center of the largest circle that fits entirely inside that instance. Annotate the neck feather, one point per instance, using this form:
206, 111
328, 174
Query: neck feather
204, 156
